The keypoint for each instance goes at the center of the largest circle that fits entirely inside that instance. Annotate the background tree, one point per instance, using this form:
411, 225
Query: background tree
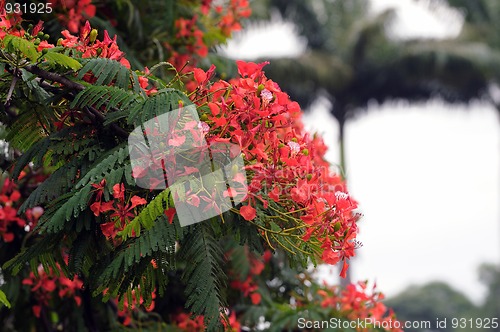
370, 66
436, 300
489, 274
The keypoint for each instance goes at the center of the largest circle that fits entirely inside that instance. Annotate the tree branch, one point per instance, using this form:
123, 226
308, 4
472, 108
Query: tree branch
55, 78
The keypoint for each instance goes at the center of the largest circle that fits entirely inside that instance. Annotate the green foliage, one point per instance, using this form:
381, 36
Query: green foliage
53, 187
93, 155
108, 96
3, 299
55, 59
42, 251
489, 275
430, 301
25, 132
107, 71
109, 161
166, 100
204, 275
129, 266
16, 45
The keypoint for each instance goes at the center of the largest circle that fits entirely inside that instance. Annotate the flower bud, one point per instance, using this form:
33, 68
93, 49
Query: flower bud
93, 35
260, 88
235, 169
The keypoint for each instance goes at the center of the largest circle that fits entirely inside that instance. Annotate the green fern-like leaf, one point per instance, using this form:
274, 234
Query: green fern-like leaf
36, 148
35, 154
74, 203
63, 147
204, 276
79, 254
35, 254
109, 96
14, 44
111, 166
55, 60
24, 132
107, 70
130, 265
107, 162
56, 185
166, 100
3, 299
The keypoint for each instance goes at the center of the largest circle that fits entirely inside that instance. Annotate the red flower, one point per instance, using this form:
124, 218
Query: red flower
255, 298
188, 324
121, 211
250, 69
330, 257
248, 212
203, 77
170, 213
234, 325
73, 12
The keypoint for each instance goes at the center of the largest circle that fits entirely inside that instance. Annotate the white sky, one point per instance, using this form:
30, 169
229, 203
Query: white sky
427, 176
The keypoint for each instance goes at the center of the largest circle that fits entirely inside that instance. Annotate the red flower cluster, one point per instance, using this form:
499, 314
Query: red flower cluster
72, 13
191, 42
8, 213
8, 22
9, 199
129, 308
246, 284
230, 18
286, 165
45, 286
187, 323
357, 302
122, 211
90, 47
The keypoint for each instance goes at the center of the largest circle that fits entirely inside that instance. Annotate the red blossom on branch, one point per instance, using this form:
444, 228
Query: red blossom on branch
121, 210
357, 302
285, 165
46, 285
107, 48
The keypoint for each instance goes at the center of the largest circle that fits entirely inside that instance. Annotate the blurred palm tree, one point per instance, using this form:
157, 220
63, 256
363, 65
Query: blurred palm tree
352, 60
481, 23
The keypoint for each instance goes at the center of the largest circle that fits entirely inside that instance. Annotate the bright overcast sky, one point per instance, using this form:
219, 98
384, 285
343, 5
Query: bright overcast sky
427, 177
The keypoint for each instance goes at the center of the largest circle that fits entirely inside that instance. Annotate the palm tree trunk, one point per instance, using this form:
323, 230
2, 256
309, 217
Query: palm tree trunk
342, 163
